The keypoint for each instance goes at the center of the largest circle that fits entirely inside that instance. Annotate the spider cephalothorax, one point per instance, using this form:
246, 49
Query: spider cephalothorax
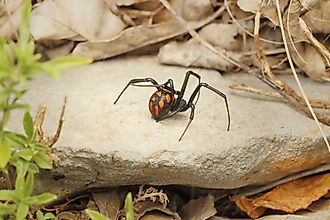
167, 101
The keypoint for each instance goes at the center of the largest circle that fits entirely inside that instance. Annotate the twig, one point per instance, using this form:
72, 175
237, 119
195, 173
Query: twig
55, 138
241, 87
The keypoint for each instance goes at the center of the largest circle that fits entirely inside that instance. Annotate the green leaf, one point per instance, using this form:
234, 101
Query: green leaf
68, 62
40, 215
94, 215
16, 139
28, 125
8, 195
28, 186
43, 160
7, 209
25, 154
21, 170
33, 168
5, 153
40, 199
18, 106
22, 211
128, 207
24, 31
49, 215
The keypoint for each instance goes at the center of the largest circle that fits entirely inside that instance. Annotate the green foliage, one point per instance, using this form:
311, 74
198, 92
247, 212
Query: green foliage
42, 216
128, 207
21, 152
94, 215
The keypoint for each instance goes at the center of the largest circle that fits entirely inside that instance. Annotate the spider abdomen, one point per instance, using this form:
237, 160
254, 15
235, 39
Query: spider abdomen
160, 104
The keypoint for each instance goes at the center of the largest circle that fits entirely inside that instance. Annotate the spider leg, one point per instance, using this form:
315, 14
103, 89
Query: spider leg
133, 83
192, 114
184, 86
197, 90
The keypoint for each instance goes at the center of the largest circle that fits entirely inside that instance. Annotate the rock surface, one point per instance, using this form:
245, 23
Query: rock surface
121, 145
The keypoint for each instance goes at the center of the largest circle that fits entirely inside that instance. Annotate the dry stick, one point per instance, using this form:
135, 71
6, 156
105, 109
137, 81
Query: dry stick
245, 88
241, 87
55, 138
310, 112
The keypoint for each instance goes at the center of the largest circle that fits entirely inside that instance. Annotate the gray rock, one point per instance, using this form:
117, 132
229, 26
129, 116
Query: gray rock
121, 145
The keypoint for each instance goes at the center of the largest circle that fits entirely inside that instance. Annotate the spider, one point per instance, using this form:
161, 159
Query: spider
166, 101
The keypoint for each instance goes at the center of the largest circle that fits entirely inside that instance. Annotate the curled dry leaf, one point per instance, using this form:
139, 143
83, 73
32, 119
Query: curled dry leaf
246, 206
61, 19
293, 196
198, 209
288, 197
10, 17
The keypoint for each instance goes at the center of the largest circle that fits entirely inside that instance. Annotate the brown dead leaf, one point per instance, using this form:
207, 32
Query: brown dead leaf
142, 208
157, 216
317, 17
295, 195
193, 54
108, 203
198, 209
61, 19
137, 37
194, 10
308, 59
222, 35
246, 206
10, 17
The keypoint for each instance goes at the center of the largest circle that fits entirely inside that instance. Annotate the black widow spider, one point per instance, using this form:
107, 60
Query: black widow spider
163, 103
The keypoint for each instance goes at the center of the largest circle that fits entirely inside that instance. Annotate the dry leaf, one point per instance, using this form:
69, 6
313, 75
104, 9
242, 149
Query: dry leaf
61, 19
141, 208
10, 17
60, 51
194, 10
246, 206
295, 195
222, 35
193, 54
136, 37
317, 16
198, 209
157, 216
108, 203
308, 59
